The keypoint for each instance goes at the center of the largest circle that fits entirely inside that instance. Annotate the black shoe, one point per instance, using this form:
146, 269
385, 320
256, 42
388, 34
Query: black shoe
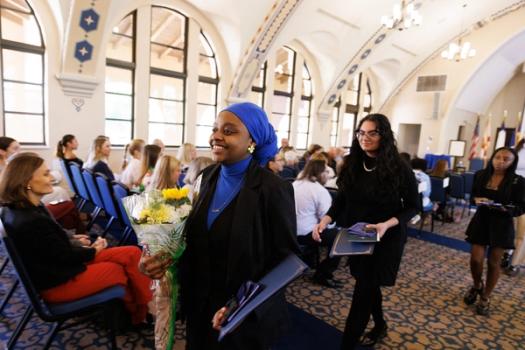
330, 283
472, 294
512, 270
505, 260
375, 335
483, 306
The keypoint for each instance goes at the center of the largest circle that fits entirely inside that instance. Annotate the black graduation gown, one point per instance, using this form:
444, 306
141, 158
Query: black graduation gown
358, 205
262, 233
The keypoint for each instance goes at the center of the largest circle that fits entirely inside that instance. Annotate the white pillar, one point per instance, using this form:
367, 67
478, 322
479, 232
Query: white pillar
142, 69
192, 81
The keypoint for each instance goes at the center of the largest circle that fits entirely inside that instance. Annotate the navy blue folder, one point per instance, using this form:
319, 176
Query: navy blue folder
345, 244
284, 273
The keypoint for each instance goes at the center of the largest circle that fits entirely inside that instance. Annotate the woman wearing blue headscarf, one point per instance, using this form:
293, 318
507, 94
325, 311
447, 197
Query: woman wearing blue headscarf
241, 226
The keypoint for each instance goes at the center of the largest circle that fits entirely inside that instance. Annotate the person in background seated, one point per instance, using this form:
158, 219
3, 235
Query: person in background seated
132, 170
406, 157
492, 226
150, 155
419, 166
290, 170
275, 165
312, 201
440, 169
312, 150
159, 143
187, 152
284, 144
377, 187
98, 156
191, 180
166, 173
8, 147
61, 271
66, 148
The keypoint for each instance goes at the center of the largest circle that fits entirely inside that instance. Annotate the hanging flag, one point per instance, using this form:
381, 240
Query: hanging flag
474, 142
519, 129
485, 143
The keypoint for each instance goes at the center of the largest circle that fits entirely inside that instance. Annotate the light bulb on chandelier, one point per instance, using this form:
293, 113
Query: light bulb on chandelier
403, 17
460, 50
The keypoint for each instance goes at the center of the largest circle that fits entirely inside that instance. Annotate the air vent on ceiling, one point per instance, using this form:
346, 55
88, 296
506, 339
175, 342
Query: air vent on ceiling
431, 83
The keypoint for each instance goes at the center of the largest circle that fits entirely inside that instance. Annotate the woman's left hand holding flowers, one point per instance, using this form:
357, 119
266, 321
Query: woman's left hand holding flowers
155, 266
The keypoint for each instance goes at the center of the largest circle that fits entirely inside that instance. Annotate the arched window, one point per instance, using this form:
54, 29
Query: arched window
206, 93
305, 106
357, 99
167, 75
22, 60
259, 87
284, 75
120, 75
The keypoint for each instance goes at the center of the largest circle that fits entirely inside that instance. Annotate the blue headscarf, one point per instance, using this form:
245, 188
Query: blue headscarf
260, 129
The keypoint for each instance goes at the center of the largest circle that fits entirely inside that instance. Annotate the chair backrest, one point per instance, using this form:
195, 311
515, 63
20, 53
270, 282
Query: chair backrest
78, 180
120, 191
469, 181
438, 192
89, 180
457, 186
106, 193
475, 164
23, 276
67, 175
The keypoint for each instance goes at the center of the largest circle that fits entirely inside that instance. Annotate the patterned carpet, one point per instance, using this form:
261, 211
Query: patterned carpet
424, 310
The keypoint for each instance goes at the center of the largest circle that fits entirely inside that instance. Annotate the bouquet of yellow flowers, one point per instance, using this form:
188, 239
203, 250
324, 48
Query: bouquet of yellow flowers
158, 219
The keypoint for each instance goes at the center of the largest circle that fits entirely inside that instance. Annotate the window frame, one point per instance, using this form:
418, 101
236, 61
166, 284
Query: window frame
24, 48
287, 94
130, 66
171, 74
308, 98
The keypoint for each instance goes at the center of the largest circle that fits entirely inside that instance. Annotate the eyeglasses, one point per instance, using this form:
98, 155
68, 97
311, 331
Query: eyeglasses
372, 134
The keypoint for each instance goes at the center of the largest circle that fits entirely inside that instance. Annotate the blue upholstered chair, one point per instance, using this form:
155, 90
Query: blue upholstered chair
78, 180
67, 175
457, 190
438, 194
94, 193
120, 191
468, 178
106, 195
475, 164
101, 303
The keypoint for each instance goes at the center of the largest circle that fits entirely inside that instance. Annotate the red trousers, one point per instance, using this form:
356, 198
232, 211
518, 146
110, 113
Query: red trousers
112, 266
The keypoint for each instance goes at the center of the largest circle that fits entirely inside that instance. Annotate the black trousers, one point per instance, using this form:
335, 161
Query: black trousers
326, 268
367, 300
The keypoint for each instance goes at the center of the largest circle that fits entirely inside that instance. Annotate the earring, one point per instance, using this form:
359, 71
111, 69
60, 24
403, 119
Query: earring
29, 188
251, 148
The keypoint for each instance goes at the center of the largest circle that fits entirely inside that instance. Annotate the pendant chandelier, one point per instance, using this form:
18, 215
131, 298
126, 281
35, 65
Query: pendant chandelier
459, 50
403, 16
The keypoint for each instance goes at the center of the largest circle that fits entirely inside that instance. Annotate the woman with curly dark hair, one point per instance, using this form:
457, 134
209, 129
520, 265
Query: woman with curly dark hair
499, 194
375, 186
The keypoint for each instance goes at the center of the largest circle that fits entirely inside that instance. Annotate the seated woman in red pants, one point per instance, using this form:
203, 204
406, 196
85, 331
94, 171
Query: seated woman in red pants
61, 271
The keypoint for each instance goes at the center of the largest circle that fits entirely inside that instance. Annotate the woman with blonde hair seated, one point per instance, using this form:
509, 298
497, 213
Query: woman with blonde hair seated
166, 173
150, 155
98, 156
187, 152
132, 169
60, 270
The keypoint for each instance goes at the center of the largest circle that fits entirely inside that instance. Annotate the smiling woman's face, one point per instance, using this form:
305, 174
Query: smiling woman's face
230, 139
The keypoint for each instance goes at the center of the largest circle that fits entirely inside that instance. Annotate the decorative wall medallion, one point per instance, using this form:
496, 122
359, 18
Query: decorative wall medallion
78, 103
89, 20
353, 69
380, 38
83, 51
332, 99
341, 84
365, 54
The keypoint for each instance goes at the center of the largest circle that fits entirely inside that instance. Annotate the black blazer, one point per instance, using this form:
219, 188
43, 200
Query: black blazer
263, 233
44, 246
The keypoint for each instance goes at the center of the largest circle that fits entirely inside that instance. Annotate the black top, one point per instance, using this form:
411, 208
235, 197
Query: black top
359, 203
491, 226
103, 168
44, 246
254, 234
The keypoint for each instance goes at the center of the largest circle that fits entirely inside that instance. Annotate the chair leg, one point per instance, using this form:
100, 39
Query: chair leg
4, 264
125, 235
432, 222
94, 216
19, 328
106, 229
8, 295
54, 331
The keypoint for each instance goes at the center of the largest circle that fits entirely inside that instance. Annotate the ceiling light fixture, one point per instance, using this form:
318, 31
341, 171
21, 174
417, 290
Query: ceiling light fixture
459, 50
403, 16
